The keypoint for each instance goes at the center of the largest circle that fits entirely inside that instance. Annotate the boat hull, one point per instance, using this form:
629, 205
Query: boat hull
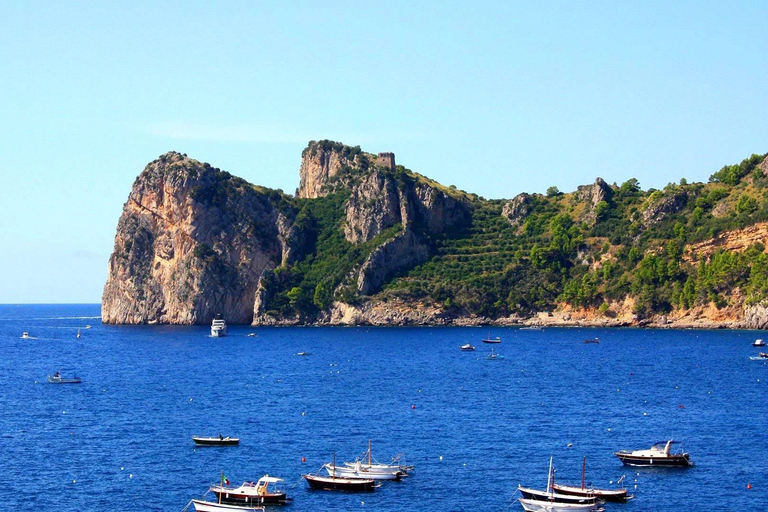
215, 441
545, 506
669, 461
339, 484
59, 380
362, 473
614, 495
207, 506
234, 498
534, 494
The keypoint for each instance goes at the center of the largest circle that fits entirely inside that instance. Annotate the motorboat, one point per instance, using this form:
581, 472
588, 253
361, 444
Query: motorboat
218, 327
761, 356
497, 339
303, 353
336, 483
208, 506
531, 328
758, 343
215, 441
658, 455
266, 491
550, 506
25, 336
78, 334
615, 495
467, 347
592, 340
56, 378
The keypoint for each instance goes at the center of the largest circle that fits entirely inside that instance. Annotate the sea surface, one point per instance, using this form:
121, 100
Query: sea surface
473, 428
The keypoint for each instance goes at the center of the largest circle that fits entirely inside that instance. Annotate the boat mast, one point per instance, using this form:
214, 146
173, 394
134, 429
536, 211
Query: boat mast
549, 478
221, 486
369, 453
583, 470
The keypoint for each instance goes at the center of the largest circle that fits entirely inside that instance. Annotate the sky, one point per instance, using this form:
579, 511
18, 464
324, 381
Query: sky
496, 98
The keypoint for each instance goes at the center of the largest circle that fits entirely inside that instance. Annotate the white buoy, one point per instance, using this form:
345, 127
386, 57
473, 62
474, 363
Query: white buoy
441, 457
130, 476
74, 481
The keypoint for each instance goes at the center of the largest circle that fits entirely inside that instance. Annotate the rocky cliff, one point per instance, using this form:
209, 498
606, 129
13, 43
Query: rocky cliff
192, 242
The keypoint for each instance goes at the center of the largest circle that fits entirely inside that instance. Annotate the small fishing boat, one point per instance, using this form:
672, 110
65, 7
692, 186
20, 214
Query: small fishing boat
658, 455
615, 495
78, 334
25, 336
467, 348
208, 506
266, 491
531, 328
592, 340
493, 356
535, 494
761, 356
334, 483
397, 464
497, 339
218, 327
215, 441
359, 471
549, 501
303, 353
56, 378
758, 343
549, 506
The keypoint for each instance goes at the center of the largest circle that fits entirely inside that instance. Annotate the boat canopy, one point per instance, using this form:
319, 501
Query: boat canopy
270, 479
664, 443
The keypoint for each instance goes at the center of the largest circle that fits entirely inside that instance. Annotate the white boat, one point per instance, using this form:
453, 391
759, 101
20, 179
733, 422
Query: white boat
267, 491
218, 327
78, 334
468, 347
493, 356
25, 336
360, 471
547, 506
658, 455
207, 506
761, 356
758, 343
397, 465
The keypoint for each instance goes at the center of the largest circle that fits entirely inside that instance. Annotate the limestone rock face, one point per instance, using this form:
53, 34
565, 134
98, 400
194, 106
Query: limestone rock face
518, 208
764, 167
192, 242
322, 161
756, 316
403, 251
663, 207
373, 206
592, 195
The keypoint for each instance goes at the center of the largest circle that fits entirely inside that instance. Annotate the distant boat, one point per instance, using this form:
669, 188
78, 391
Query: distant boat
218, 327
467, 347
208, 506
25, 336
303, 353
497, 339
761, 356
215, 441
334, 483
266, 491
56, 378
758, 343
493, 356
531, 328
87, 326
659, 455
616, 495
251, 334
592, 340
78, 334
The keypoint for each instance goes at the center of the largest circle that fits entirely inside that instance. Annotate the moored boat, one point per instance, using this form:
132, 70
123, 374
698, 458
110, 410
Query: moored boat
215, 441
547, 506
467, 347
208, 506
359, 471
758, 343
266, 491
497, 339
56, 378
335, 483
218, 327
615, 495
493, 356
535, 494
658, 455
548, 501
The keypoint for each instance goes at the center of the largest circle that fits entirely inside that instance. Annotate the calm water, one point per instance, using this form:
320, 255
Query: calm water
473, 428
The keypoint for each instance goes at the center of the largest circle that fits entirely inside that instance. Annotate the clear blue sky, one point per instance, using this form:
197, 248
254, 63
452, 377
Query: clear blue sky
496, 98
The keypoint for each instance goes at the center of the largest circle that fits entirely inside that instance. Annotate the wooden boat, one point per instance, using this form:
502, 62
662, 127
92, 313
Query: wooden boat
497, 339
761, 356
215, 441
359, 471
397, 465
615, 495
659, 455
56, 378
266, 491
535, 494
547, 501
547, 506
207, 506
334, 483
758, 343
467, 348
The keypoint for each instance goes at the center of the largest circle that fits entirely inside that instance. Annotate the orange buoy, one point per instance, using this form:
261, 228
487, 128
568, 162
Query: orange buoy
749, 486
413, 407
303, 459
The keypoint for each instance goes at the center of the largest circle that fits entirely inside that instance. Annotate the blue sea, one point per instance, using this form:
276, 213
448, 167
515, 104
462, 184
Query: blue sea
473, 428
